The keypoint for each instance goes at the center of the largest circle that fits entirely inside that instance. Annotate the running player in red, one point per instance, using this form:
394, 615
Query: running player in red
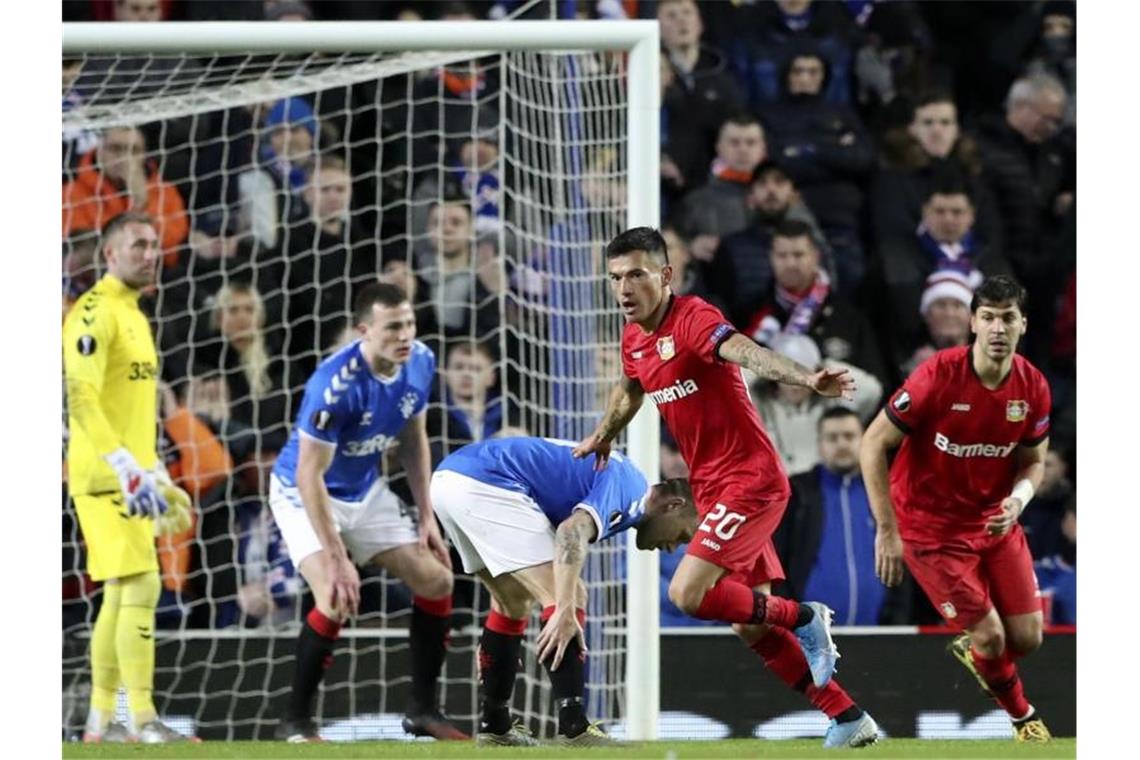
686, 356
972, 428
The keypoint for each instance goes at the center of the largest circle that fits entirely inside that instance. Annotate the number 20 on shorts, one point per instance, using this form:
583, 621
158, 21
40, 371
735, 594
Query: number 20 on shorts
722, 523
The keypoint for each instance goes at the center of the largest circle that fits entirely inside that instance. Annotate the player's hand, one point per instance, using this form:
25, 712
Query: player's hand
832, 382
179, 514
344, 585
888, 556
556, 635
139, 487
596, 445
432, 540
1003, 523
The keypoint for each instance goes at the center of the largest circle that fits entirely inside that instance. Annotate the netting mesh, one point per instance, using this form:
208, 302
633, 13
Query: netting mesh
487, 185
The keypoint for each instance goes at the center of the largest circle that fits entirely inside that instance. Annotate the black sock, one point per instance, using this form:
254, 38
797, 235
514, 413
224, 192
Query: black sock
498, 666
805, 615
313, 657
568, 685
428, 639
854, 712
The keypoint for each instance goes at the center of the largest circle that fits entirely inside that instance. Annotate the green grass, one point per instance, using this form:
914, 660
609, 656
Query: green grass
747, 748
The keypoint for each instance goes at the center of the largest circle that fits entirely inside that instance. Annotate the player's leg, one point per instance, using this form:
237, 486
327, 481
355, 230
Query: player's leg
104, 669
431, 586
568, 680
317, 639
499, 651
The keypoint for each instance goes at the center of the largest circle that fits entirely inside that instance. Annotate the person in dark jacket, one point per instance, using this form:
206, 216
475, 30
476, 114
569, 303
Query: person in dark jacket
802, 301
467, 406
826, 539
828, 153
1030, 170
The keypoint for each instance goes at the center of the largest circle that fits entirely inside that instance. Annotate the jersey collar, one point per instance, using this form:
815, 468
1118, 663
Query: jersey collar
113, 286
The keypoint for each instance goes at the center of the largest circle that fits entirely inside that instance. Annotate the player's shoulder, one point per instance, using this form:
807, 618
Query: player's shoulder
337, 372
689, 306
943, 365
91, 311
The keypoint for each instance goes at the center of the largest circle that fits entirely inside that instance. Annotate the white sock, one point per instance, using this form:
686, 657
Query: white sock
97, 722
1027, 715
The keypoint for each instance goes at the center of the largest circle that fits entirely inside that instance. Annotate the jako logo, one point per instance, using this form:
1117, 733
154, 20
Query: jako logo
968, 450
677, 390
373, 445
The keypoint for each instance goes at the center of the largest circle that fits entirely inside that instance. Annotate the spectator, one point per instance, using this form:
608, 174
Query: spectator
233, 343
1043, 522
1057, 574
688, 278
826, 539
138, 10
802, 301
791, 413
673, 466
740, 274
467, 280
77, 141
330, 255
1055, 52
703, 92
1031, 174
944, 241
930, 148
117, 177
271, 193
768, 32
288, 10
945, 309
397, 271
824, 148
467, 406
720, 207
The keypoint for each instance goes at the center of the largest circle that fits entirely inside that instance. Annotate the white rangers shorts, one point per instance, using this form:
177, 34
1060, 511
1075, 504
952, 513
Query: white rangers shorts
492, 528
378, 522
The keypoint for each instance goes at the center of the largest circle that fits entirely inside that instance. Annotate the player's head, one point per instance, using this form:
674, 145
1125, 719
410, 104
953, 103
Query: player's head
130, 247
794, 255
470, 370
670, 516
840, 433
997, 316
637, 261
385, 321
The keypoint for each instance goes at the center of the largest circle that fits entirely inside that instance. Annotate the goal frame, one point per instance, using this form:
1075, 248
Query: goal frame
640, 40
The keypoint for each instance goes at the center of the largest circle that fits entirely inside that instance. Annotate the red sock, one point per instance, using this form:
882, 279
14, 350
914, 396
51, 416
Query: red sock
782, 655
1001, 675
733, 602
325, 627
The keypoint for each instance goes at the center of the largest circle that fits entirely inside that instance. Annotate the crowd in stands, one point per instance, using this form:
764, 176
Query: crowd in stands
836, 177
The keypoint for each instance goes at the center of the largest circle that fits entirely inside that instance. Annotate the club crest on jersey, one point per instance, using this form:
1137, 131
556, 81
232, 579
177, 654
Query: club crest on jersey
902, 401
666, 349
86, 345
408, 404
949, 611
1016, 411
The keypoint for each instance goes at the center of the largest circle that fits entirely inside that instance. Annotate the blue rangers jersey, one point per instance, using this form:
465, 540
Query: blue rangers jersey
358, 412
544, 470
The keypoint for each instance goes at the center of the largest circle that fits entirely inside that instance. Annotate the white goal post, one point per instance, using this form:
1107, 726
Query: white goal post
639, 39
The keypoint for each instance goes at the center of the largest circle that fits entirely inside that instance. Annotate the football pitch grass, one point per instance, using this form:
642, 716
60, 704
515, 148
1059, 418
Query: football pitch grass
669, 750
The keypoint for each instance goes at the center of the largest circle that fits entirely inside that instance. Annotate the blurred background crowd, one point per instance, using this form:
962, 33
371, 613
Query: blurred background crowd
836, 176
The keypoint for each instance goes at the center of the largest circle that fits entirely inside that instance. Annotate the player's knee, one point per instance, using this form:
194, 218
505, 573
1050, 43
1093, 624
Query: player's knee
989, 640
439, 584
749, 634
1026, 639
687, 598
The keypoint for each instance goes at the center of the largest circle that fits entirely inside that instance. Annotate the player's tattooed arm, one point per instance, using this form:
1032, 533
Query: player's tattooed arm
625, 400
571, 542
741, 350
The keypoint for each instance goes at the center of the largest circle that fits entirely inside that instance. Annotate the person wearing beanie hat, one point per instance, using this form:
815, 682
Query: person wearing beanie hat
945, 310
791, 414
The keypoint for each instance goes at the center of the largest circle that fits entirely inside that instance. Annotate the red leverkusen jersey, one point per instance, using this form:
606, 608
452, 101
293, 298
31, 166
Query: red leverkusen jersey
957, 462
704, 403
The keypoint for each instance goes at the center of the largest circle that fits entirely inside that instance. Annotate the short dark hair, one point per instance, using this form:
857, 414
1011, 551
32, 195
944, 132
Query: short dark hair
836, 413
645, 239
471, 347
453, 199
383, 293
931, 97
741, 119
675, 487
768, 166
998, 290
794, 228
948, 182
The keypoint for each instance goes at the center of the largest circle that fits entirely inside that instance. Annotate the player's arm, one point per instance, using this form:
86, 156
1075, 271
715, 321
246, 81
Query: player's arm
741, 350
1030, 471
415, 455
313, 460
625, 399
882, 436
86, 349
571, 542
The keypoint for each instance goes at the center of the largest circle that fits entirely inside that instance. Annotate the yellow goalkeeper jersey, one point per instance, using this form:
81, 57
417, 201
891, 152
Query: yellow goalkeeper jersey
111, 369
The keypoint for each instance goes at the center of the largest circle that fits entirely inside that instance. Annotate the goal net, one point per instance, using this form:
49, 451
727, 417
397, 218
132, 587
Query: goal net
485, 181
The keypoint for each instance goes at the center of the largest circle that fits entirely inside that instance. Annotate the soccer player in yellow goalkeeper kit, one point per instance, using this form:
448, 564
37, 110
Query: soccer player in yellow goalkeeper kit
122, 493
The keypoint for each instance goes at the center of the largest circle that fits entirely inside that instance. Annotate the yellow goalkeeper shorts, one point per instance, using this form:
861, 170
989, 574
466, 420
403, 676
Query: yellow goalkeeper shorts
117, 545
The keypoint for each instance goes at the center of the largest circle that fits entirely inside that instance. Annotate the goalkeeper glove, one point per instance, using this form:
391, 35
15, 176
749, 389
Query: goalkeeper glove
138, 485
178, 516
